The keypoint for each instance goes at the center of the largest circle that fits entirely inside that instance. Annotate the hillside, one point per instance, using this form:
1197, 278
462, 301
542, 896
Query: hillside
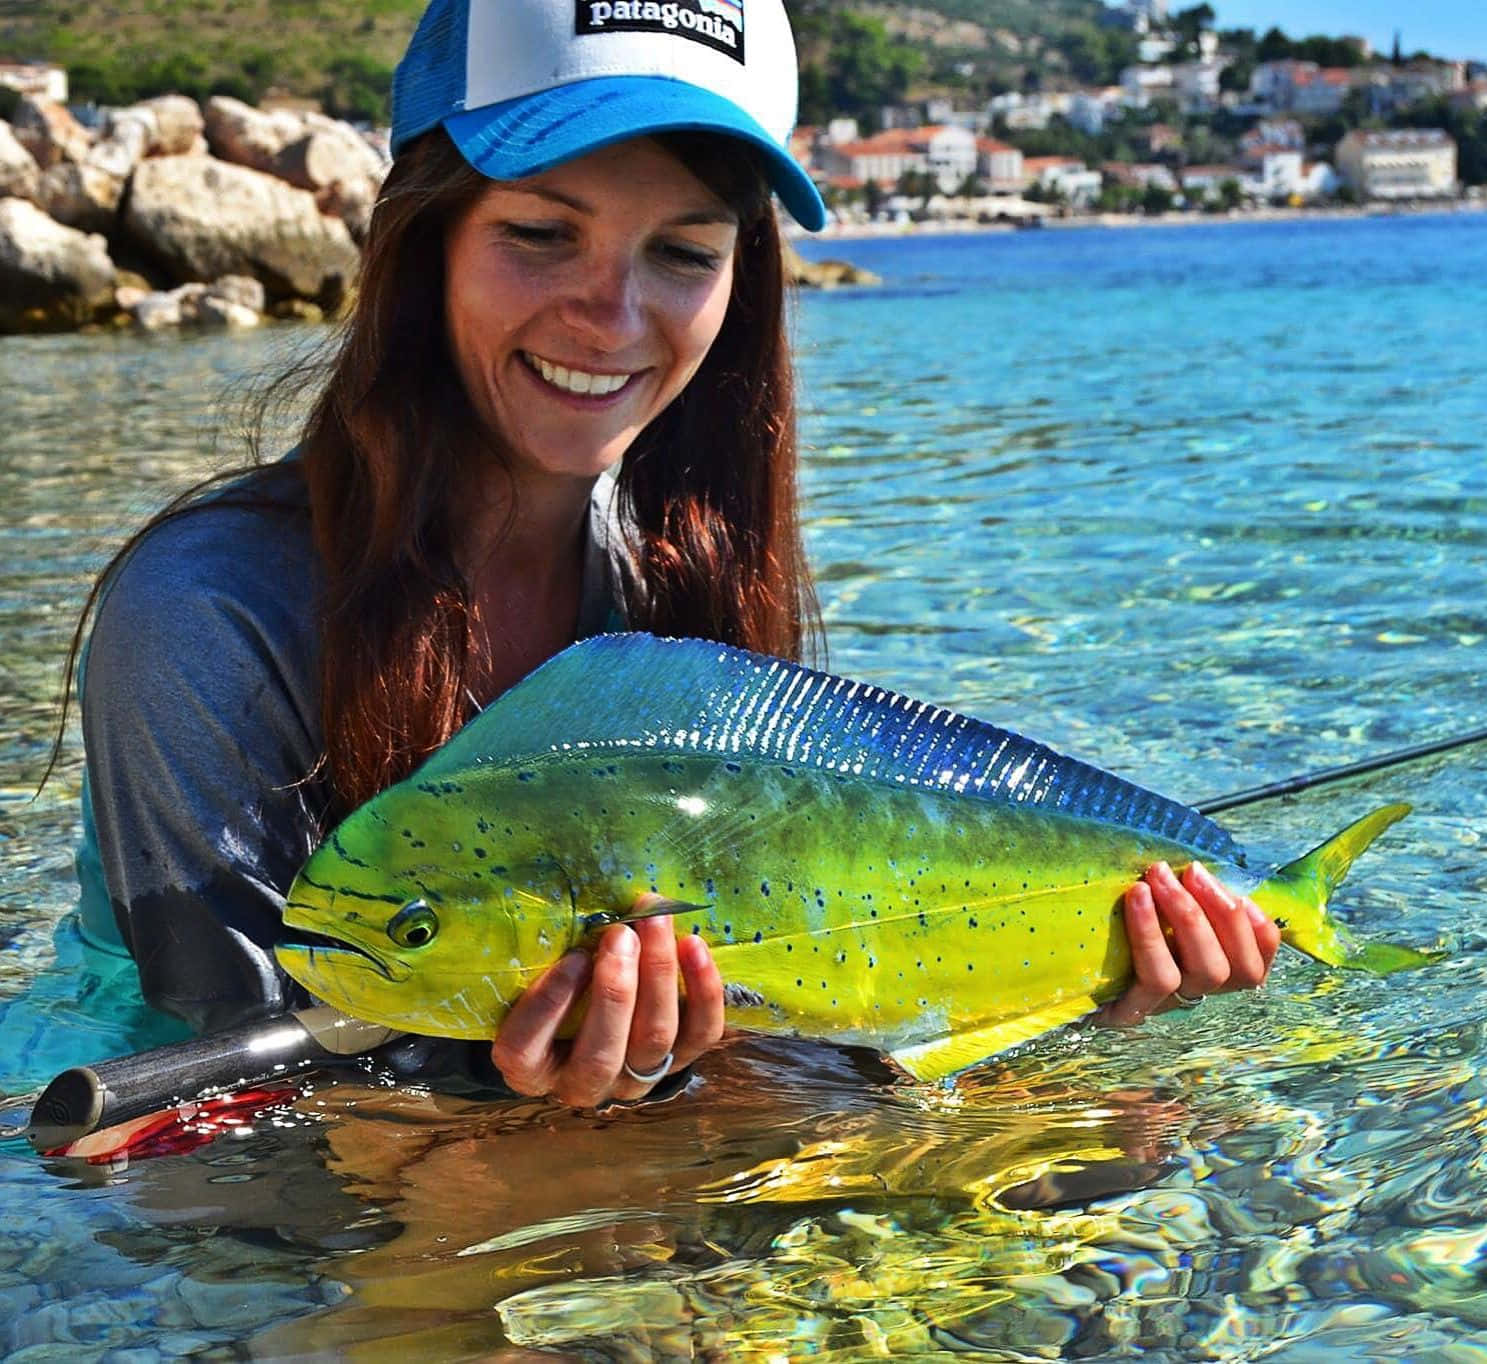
855, 53
339, 53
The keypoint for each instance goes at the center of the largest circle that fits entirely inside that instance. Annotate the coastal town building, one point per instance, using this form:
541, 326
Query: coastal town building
1392, 88
1139, 175
1206, 182
1140, 16
38, 79
1401, 163
1270, 134
1065, 177
1321, 92
1000, 166
946, 152
1472, 99
1090, 110
1298, 87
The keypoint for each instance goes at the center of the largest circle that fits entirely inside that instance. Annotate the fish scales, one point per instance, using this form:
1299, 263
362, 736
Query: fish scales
865, 867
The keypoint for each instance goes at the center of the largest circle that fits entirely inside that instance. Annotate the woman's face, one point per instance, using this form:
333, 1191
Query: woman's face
581, 301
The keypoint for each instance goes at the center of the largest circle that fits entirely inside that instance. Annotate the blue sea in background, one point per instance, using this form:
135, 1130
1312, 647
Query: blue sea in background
1204, 504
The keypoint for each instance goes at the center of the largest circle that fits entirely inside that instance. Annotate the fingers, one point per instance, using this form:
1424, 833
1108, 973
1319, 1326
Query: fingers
635, 1017
651, 1035
526, 1051
1248, 939
1195, 944
702, 1020
1192, 936
1157, 974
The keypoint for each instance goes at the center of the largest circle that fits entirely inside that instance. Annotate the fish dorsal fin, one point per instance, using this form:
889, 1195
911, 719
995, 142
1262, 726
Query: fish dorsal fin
627, 692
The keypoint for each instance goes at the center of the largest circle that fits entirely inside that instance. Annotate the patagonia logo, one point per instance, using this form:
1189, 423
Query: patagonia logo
718, 24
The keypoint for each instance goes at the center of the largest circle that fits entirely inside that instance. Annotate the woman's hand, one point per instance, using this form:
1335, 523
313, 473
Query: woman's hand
1189, 938
636, 1031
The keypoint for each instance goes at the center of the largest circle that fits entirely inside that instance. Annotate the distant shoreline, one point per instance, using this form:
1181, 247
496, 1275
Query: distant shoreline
966, 226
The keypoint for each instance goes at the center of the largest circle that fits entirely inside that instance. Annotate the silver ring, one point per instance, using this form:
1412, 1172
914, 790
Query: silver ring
663, 1068
1183, 1002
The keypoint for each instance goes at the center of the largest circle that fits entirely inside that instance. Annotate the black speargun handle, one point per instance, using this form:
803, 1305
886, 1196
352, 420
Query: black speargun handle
87, 1098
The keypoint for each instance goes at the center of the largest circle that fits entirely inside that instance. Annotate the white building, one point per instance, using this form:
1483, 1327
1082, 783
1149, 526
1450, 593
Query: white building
1402, 163
1065, 176
1000, 166
1141, 84
1322, 91
1196, 85
1204, 182
1272, 84
38, 79
1280, 174
1271, 133
947, 153
1090, 110
1319, 180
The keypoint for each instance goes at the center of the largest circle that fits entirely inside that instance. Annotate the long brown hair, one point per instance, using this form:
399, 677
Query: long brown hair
708, 490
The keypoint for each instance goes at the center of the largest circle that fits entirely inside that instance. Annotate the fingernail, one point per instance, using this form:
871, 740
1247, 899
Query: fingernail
624, 944
1257, 916
574, 967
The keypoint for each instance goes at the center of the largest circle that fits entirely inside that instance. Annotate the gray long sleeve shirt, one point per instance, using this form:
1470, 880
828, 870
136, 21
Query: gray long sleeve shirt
201, 721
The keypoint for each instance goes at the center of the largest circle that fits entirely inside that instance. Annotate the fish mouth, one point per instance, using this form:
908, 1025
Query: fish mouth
339, 953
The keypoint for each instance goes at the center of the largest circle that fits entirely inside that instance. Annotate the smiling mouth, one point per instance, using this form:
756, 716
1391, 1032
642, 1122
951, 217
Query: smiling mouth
580, 382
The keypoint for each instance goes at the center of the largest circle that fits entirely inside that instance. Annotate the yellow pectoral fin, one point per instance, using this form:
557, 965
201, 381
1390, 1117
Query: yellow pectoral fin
946, 1055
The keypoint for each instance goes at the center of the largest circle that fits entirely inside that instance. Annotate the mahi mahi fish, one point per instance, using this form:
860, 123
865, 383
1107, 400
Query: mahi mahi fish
865, 867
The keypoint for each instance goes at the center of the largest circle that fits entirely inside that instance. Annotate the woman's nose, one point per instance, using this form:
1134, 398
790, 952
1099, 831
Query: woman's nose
607, 304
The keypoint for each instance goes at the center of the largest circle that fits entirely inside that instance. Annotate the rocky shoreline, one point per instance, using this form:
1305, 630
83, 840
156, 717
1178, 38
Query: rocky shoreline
177, 214
173, 213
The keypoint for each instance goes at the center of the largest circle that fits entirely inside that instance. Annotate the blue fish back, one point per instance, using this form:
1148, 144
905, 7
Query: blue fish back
636, 691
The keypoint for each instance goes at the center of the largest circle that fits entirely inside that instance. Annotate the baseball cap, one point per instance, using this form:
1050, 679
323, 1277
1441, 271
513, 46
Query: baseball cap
524, 85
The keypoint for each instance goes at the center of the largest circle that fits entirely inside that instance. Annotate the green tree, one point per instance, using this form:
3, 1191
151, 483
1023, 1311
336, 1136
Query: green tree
1155, 200
1186, 25
862, 68
1117, 198
1467, 126
1273, 47
357, 87
1237, 76
1097, 56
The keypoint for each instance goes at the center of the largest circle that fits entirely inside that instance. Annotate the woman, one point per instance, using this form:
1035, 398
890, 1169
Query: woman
574, 264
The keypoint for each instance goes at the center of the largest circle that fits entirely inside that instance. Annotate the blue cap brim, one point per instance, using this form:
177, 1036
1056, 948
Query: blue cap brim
535, 132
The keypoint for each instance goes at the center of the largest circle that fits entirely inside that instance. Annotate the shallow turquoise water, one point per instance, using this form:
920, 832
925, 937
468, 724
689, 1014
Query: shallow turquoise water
1206, 505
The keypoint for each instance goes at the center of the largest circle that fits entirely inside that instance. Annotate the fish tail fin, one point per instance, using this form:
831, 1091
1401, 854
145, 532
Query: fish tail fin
1296, 897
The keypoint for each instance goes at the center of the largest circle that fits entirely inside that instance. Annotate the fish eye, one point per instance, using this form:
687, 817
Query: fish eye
414, 925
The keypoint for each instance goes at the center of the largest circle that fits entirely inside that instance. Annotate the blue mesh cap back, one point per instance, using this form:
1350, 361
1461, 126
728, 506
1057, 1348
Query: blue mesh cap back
429, 83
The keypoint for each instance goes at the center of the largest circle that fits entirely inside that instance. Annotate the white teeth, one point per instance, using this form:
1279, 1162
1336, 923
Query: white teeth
576, 380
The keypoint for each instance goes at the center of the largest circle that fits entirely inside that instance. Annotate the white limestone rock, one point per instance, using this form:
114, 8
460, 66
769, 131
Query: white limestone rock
202, 218
51, 275
178, 124
223, 312
49, 132
243, 290
82, 195
19, 174
246, 136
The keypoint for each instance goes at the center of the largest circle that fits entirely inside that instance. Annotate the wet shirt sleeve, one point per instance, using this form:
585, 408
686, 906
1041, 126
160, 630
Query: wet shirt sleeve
201, 733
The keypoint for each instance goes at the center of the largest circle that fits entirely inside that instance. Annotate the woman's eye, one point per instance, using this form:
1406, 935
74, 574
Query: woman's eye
533, 234
694, 258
